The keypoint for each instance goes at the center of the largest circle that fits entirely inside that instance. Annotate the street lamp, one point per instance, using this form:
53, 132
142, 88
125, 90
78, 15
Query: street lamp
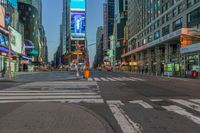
9, 47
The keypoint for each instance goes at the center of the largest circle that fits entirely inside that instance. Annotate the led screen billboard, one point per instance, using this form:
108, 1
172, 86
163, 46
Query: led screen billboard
78, 5
78, 24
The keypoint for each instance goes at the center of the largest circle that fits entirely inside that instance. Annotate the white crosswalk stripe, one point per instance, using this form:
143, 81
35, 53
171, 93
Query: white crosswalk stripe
129, 125
111, 79
142, 103
195, 100
68, 95
188, 104
97, 79
183, 112
126, 124
105, 79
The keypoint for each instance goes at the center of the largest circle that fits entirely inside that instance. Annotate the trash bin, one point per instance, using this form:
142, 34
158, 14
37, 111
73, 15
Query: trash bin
87, 73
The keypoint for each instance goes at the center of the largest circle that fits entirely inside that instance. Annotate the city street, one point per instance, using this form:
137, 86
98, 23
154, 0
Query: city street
108, 102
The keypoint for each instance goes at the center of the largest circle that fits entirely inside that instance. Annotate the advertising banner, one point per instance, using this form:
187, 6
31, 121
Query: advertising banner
2, 16
78, 25
78, 5
13, 3
15, 40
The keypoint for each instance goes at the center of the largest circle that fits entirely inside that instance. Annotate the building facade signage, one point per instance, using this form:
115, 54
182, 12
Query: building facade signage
156, 42
15, 40
2, 16
191, 48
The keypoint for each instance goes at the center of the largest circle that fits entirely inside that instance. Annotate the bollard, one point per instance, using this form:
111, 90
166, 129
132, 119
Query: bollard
86, 73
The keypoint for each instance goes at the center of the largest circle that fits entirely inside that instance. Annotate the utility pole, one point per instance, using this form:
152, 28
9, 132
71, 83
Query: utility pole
9, 67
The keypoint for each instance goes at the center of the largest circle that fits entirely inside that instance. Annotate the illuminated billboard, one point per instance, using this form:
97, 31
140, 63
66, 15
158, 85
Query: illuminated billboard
78, 24
77, 5
13, 3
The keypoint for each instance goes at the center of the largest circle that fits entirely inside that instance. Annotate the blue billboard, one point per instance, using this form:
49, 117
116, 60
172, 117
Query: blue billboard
78, 24
78, 5
13, 3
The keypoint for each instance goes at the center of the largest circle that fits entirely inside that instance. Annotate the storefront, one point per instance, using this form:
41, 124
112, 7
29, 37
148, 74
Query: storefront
191, 60
26, 64
5, 58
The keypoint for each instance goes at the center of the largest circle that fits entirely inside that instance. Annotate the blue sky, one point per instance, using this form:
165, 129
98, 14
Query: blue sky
52, 17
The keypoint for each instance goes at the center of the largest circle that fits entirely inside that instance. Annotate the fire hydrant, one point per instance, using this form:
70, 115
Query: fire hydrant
86, 73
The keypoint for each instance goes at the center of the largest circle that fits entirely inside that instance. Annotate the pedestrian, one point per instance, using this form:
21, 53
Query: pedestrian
3, 72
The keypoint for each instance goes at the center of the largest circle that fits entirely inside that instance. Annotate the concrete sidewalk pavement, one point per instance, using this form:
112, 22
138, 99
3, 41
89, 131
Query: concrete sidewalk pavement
50, 118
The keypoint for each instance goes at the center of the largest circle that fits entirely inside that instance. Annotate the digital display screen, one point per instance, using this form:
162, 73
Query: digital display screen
78, 5
78, 24
13, 3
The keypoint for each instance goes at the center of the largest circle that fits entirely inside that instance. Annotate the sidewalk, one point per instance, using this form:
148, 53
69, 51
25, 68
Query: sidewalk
51, 118
140, 74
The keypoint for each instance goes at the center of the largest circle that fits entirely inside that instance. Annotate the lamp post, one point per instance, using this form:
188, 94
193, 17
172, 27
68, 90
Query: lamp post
9, 67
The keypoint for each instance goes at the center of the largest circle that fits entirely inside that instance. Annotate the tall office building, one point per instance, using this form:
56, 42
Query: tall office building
38, 4
74, 33
109, 16
120, 23
99, 46
164, 36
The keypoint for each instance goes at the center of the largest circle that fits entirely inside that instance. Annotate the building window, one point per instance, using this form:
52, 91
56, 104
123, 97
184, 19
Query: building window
174, 12
174, 2
163, 20
165, 30
157, 35
180, 8
177, 24
190, 3
150, 38
167, 17
193, 18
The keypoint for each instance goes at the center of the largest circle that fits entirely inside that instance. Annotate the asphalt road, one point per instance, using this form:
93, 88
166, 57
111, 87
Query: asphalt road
112, 101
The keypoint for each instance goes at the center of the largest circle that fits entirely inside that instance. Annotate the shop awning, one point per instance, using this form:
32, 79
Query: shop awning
6, 50
27, 58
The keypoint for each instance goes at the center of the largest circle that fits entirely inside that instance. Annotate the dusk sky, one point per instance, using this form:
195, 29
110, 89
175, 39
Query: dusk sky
52, 17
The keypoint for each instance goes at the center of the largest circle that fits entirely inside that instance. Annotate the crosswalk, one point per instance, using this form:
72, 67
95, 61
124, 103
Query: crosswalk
53, 92
73, 96
114, 79
187, 108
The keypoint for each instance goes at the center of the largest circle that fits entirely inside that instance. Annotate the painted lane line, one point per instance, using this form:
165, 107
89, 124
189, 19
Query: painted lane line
118, 79
56, 100
46, 97
138, 79
142, 103
116, 102
125, 123
183, 112
188, 104
104, 79
97, 79
43, 94
156, 100
50, 91
195, 100
90, 79
125, 79
129, 79
111, 79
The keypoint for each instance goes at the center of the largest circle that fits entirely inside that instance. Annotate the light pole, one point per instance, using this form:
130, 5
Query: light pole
9, 67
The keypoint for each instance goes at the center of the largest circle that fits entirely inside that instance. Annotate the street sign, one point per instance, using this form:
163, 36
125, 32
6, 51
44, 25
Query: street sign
77, 53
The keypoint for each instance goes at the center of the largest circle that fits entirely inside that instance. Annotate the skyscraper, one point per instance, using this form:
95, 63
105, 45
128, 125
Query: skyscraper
74, 33
38, 4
